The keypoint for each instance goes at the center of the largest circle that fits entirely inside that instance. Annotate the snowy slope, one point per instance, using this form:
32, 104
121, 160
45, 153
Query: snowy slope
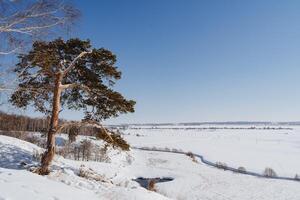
191, 180
63, 183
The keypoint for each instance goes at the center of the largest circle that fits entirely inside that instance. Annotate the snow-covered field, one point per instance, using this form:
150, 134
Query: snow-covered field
254, 149
192, 180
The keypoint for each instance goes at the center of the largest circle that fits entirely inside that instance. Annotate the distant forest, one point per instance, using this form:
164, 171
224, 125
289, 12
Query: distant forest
13, 122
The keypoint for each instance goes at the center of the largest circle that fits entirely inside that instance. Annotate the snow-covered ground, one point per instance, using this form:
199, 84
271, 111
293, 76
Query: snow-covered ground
191, 180
63, 183
254, 149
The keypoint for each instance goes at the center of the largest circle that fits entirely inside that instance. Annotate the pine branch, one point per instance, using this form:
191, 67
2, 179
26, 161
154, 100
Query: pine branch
87, 124
72, 64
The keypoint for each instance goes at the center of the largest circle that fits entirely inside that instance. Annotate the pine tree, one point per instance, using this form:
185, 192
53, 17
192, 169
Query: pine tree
69, 74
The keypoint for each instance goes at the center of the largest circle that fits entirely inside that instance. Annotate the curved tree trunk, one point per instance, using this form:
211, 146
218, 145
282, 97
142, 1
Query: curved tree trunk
50, 151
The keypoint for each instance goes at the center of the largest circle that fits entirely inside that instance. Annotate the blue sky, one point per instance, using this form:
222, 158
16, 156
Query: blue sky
200, 60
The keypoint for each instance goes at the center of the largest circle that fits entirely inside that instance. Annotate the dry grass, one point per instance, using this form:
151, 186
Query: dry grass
90, 174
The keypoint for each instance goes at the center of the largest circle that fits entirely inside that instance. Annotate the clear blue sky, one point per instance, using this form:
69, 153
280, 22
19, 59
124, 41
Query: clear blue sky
201, 60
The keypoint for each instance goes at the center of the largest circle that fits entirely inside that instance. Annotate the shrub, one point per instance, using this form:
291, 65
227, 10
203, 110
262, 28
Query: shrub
16, 134
86, 149
101, 154
175, 150
33, 139
76, 152
242, 170
151, 185
269, 172
66, 151
192, 156
89, 174
154, 148
73, 133
221, 165
180, 150
129, 159
37, 156
297, 177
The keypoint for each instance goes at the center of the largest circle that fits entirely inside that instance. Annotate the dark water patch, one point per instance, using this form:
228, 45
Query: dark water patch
144, 182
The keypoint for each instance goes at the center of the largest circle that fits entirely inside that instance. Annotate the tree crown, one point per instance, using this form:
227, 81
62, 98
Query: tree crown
87, 77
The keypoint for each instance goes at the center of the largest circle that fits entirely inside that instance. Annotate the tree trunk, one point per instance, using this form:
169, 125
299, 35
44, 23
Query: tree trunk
50, 151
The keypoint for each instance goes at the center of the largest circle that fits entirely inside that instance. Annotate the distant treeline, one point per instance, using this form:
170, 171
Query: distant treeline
20, 126
213, 128
13, 122
217, 123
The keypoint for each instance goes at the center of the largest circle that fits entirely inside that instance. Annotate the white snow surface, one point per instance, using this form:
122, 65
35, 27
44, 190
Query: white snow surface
191, 180
254, 149
63, 183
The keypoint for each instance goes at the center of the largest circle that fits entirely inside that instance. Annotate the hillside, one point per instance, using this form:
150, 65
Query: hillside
114, 180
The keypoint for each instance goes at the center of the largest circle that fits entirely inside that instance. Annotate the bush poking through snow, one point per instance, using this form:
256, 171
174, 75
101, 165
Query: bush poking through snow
100, 154
85, 151
192, 156
151, 185
179, 150
269, 172
16, 134
175, 150
90, 174
73, 133
221, 165
37, 156
32, 139
297, 177
129, 159
242, 170
154, 148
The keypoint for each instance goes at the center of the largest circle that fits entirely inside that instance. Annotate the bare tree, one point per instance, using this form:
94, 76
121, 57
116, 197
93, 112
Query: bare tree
69, 74
23, 21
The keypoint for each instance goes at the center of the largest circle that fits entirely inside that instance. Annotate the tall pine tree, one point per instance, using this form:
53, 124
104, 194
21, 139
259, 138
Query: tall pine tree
68, 74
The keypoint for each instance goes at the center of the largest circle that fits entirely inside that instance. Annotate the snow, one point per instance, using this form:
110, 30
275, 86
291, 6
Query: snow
20, 184
191, 180
63, 183
197, 181
254, 149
